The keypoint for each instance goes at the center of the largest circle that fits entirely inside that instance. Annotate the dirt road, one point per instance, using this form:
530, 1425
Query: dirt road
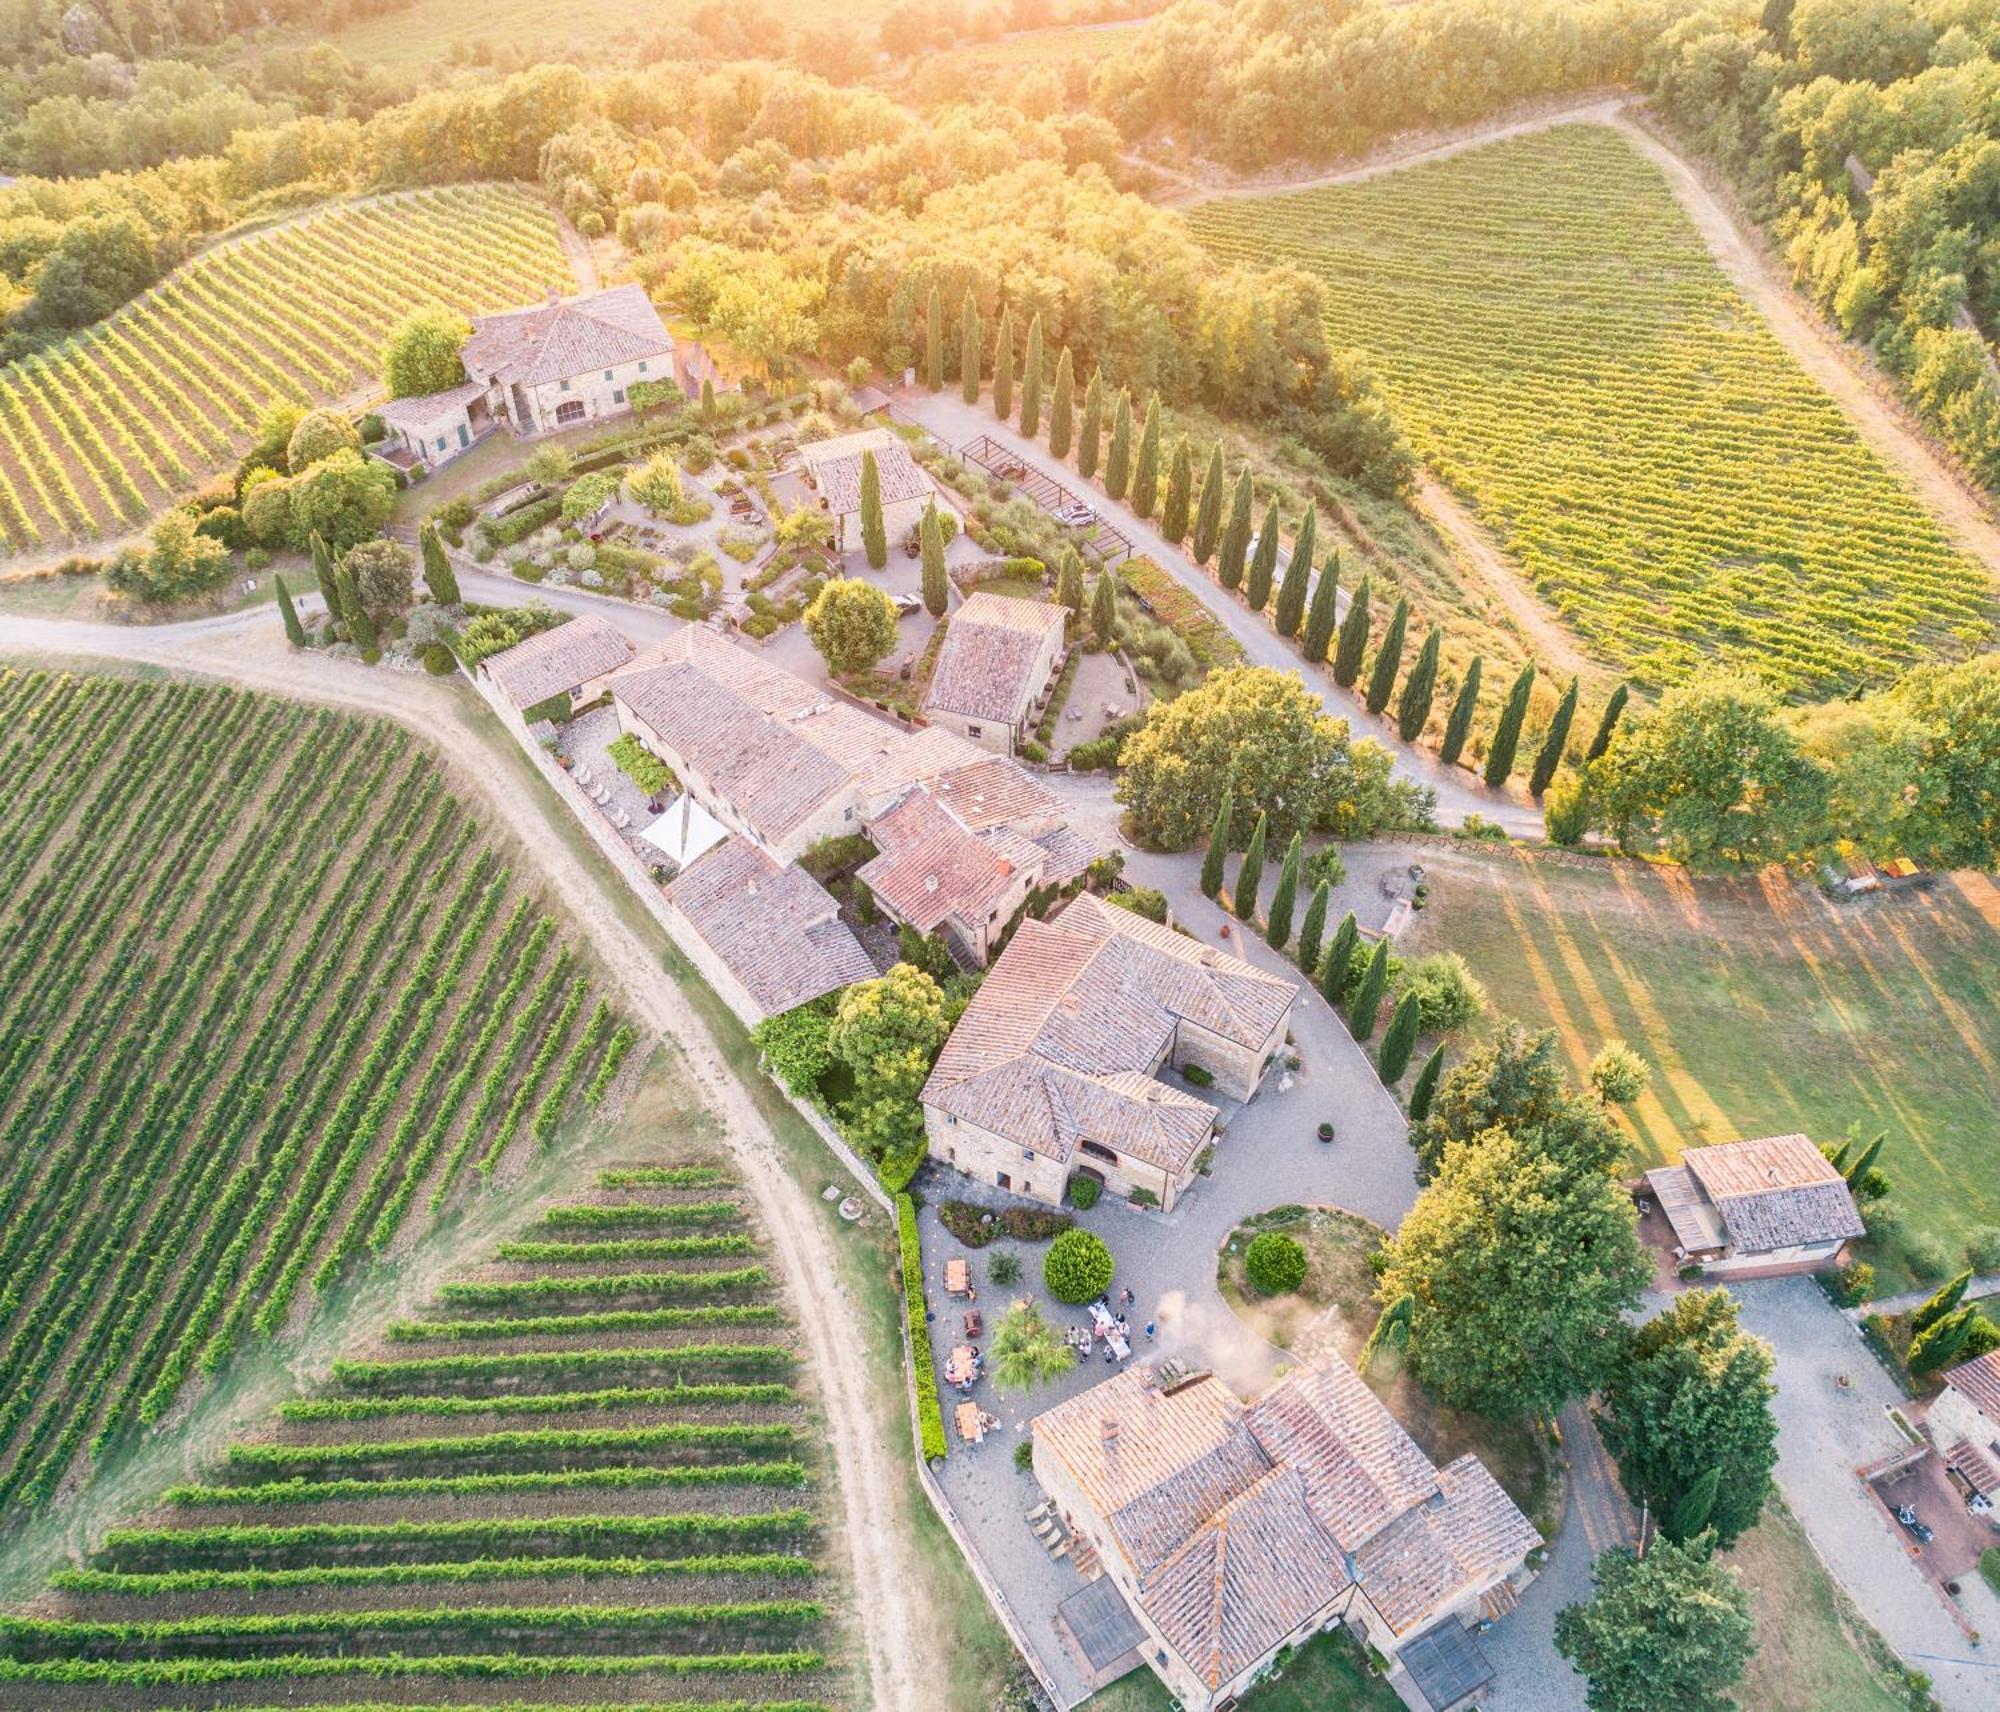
248, 649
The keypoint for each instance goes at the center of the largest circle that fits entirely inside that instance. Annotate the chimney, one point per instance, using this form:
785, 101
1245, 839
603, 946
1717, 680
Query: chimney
1109, 1428
930, 883
751, 889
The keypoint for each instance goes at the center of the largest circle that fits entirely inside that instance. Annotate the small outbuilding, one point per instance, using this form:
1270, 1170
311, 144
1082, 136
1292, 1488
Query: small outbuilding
571, 661
833, 467
998, 658
1757, 1209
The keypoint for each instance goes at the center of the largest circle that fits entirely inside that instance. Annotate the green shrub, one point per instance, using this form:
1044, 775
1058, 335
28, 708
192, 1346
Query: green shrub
1083, 1192
1989, 1566
641, 765
1024, 1460
1854, 1285
1147, 901
1928, 1258
438, 661
923, 1369
1197, 1076
1005, 1269
1078, 1267
1275, 1264
519, 525
966, 1220
1982, 1249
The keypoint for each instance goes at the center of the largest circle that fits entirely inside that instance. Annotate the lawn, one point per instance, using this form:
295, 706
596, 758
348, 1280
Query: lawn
1322, 1676
1562, 350
1761, 1008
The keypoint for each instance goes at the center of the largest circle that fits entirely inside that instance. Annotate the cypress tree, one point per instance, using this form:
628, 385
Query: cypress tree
1459, 726
1298, 571
294, 631
1180, 482
1939, 1346
1093, 426
1399, 1042
1104, 608
1263, 562
322, 564
1278, 930
1414, 709
934, 342
1322, 615
1866, 1162
1003, 367
1353, 639
1389, 660
1208, 516
1392, 1330
1069, 583
968, 351
1243, 896
708, 400
1236, 537
1374, 981
1507, 734
937, 586
1427, 1081
1118, 467
1551, 754
1692, 1509
1609, 723
1062, 406
1336, 976
1218, 849
438, 575
1312, 930
874, 535
1944, 1300
1145, 495
360, 627
1031, 382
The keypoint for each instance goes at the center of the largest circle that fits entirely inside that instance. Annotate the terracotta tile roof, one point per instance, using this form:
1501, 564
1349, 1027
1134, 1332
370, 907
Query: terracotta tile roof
568, 338
1974, 1467
560, 659
429, 407
835, 467
777, 929
1059, 1043
1777, 1191
1420, 1562
1978, 1382
985, 790
931, 869
991, 664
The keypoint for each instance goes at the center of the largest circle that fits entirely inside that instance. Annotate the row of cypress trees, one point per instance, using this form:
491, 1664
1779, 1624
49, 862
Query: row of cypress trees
336, 586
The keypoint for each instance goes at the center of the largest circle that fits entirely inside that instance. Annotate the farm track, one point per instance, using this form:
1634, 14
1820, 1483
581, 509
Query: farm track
875, 1494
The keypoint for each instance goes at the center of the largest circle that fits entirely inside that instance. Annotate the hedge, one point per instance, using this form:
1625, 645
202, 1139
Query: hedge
1078, 1267
923, 1365
966, 1220
519, 525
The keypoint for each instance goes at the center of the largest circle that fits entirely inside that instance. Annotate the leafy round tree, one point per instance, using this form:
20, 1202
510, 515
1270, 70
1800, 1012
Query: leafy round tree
320, 434
1275, 1263
345, 497
1078, 1267
887, 1033
1388, 659
656, 484
421, 354
1671, 1629
1235, 549
382, 574
1618, 1074
1027, 1351
874, 535
587, 494
852, 624
1353, 644
1447, 992
1459, 726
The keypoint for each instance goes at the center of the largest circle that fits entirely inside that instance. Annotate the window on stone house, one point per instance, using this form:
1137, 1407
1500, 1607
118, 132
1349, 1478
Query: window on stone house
618, 395
607, 374
642, 367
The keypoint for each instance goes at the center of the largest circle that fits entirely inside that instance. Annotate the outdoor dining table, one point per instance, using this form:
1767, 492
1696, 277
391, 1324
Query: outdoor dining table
970, 1427
957, 1278
963, 1367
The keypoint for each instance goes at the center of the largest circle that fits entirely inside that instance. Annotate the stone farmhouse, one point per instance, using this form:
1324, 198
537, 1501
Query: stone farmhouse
1232, 1530
567, 666
557, 365
1757, 1209
998, 659
833, 467
1963, 1422
1055, 1068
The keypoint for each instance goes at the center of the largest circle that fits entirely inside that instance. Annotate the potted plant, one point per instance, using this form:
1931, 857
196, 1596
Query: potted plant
1326, 1132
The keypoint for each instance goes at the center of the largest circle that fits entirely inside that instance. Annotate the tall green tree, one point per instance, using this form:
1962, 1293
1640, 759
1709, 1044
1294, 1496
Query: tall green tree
1208, 515
1551, 754
1507, 734
1942, 1344
1413, 707
1324, 613
1427, 1080
1069, 583
1336, 977
1278, 927
934, 340
1062, 406
887, 1032
969, 346
1236, 535
1690, 1396
874, 535
1104, 608
1180, 482
1145, 495
1093, 426
1312, 931
1291, 609
1459, 726
1118, 466
1671, 1629
1218, 849
1399, 1041
1368, 996
438, 575
322, 568
1003, 366
937, 585
1941, 1301
1243, 895
1031, 382
1263, 561
1353, 643
360, 627
1864, 1161
294, 631
1388, 658
1608, 722
1692, 1509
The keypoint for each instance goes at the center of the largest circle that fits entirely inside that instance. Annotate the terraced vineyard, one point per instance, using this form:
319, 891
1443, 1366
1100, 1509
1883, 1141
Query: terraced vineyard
103, 431
584, 1476
265, 989
1563, 351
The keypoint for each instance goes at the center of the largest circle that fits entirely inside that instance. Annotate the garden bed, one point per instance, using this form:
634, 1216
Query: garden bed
967, 1221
